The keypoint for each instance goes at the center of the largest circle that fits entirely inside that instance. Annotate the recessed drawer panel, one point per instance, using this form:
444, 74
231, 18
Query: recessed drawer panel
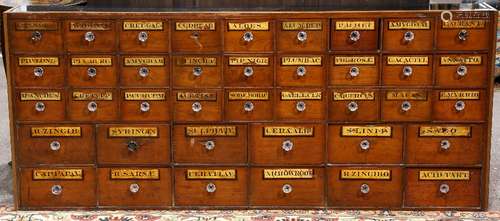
145, 71
198, 105
455, 70
144, 36
145, 105
92, 71
36, 36
403, 70
408, 34
196, 35
248, 35
406, 105
354, 34
93, 105
249, 105
354, 105
90, 35
354, 70
459, 105
39, 71
197, 71
303, 35
297, 104
307, 70
249, 70
463, 34
40, 105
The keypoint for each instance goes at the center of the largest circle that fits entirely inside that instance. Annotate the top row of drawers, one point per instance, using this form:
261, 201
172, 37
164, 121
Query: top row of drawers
249, 35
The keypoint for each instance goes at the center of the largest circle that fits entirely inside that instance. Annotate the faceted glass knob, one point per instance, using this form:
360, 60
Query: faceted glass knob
55, 145
248, 36
461, 71
132, 146
408, 36
89, 36
300, 106
352, 106
38, 71
40, 107
405, 106
36, 36
211, 187
463, 34
287, 188
354, 72
92, 106
145, 106
444, 188
142, 36
91, 72
301, 71
302, 36
459, 106
197, 71
248, 71
143, 72
364, 145
354, 36
248, 106
196, 107
56, 190
134, 188
287, 145
364, 188
407, 71
210, 145
445, 144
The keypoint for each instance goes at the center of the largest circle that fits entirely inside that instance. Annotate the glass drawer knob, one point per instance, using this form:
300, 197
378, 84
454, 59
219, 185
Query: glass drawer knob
301, 71
354, 36
142, 36
407, 71
143, 72
248, 71
352, 106
459, 106
300, 106
197, 71
408, 36
89, 36
145, 106
211, 187
36, 36
287, 188
405, 106
302, 36
55, 145
364, 145
134, 188
92, 106
196, 107
210, 145
364, 188
463, 34
445, 144
461, 71
248, 106
40, 107
38, 72
287, 145
354, 72
132, 146
56, 190
248, 36
444, 188
91, 72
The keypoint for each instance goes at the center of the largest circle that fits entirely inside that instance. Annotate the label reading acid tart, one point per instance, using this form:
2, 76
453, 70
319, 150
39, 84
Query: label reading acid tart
444, 175
139, 174
38, 61
248, 95
474, 24
36, 26
301, 25
409, 24
406, 60
133, 132
354, 25
233, 61
301, 95
301, 61
366, 131
250, 26
199, 61
195, 26
444, 131
144, 61
350, 60
143, 25
288, 131
57, 174
406, 95
40, 96
89, 26
288, 173
56, 131
457, 60
459, 95
144, 96
211, 131
355, 174
92, 96
353, 96
196, 96
91, 61
229, 174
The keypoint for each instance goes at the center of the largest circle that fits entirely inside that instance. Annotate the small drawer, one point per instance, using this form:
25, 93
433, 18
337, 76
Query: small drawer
467, 70
38, 71
144, 36
92, 71
459, 105
40, 105
346, 105
297, 187
197, 71
354, 34
249, 105
93, 105
407, 70
445, 144
198, 105
278, 144
443, 188
380, 144
359, 187
299, 71
90, 36
213, 143
297, 104
254, 35
134, 187
406, 105
354, 70
55, 144
408, 34
303, 35
222, 186
133, 144
57, 188
463, 34
249, 70
36, 36
145, 104
145, 71
196, 35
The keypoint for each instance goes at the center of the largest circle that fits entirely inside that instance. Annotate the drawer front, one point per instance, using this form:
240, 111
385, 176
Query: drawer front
198, 105
404, 70
457, 70
145, 71
287, 187
223, 186
144, 36
365, 144
134, 187
303, 35
301, 71
55, 144
57, 187
197, 71
463, 34
249, 105
93, 105
248, 35
408, 34
90, 35
374, 187
347, 105
443, 187
286, 144
136, 143
196, 35
92, 71
36, 36
210, 143
145, 105
39, 71
459, 105
297, 104
445, 144
406, 105
40, 105
249, 70
354, 34
354, 70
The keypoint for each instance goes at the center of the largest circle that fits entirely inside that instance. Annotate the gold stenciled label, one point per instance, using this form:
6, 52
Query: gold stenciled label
288, 173
190, 61
301, 95
455, 60
456, 95
301, 60
136, 174
354, 25
406, 95
38, 61
143, 25
87, 96
349, 60
233, 61
366, 131
36, 26
301, 25
133, 132
40, 96
92, 61
352, 96
57, 174
144, 61
404, 60
229, 174
56, 131
370, 174
195, 96
409, 24
292, 131
89, 26
211, 131
253, 26
444, 175
248, 95
195, 26
444, 131
465, 24
144, 96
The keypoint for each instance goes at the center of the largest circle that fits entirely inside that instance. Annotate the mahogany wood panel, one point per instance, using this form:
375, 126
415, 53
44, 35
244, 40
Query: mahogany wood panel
53, 110
447, 39
156, 40
363, 105
316, 39
448, 75
105, 38
446, 110
51, 40
341, 38
394, 75
106, 110
288, 75
52, 76
211, 110
262, 40
185, 75
287, 109
249, 110
157, 76
156, 109
423, 38
200, 40
367, 74
104, 76
261, 75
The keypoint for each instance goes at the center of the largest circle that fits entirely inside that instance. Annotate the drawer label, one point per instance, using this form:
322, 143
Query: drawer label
301, 25
354, 174
409, 24
253, 26
195, 26
455, 60
444, 175
366, 131
438, 131
40, 96
229, 174
57, 174
143, 25
248, 95
36, 25
347, 60
190, 61
233, 61
284, 131
301, 60
89, 26
464, 24
194, 96
133, 132
92, 61
344, 96
288, 173
406, 95
141, 174
211, 131
354, 25
459, 95
56, 131
92, 96
405, 60
301, 95
38, 61
144, 61
144, 96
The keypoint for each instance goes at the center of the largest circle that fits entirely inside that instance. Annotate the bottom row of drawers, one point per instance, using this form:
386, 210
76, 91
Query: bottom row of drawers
361, 187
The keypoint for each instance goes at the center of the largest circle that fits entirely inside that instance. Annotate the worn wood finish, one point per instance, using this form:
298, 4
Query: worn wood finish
316, 40
261, 110
105, 40
368, 37
422, 38
210, 110
286, 110
78, 110
340, 74
134, 110
104, 76
184, 74
393, 75
262, 40
157, 76
262, 75
367, 109
447, 75
197, 40
288, 75
52, 76
420, 110
155, 41
51, 41
53, 110
447, 39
